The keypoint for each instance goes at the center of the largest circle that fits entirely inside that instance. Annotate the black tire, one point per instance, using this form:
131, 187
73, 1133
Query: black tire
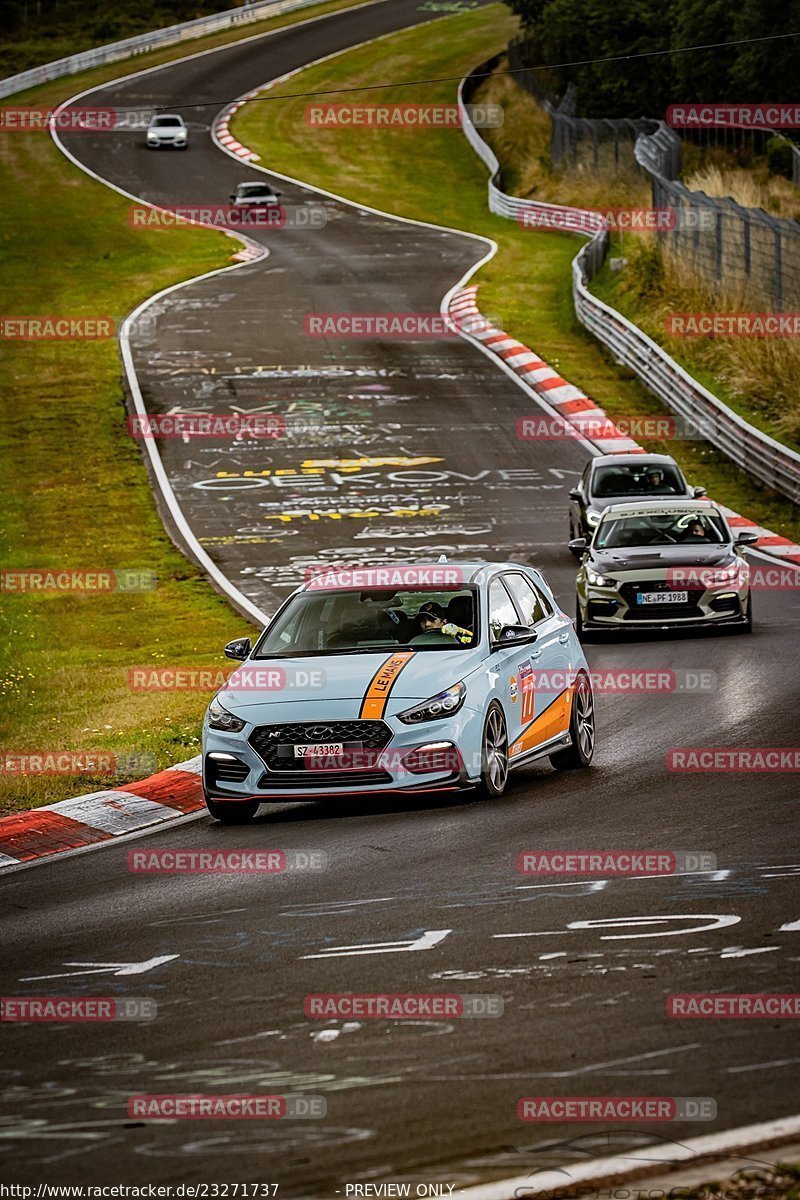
580, 751
232, 812
494, 753
747, 627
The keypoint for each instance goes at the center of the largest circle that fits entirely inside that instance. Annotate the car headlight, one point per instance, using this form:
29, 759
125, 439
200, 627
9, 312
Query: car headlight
220, 718
598, 580
443, 704
152, 137
593, 518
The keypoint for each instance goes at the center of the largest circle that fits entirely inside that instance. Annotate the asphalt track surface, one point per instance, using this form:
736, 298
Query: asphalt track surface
430, 1101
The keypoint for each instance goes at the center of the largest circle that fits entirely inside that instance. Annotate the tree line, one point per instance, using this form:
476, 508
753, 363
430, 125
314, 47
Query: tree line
571, 31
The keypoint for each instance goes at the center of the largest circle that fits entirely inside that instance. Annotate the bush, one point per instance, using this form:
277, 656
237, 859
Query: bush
779, 157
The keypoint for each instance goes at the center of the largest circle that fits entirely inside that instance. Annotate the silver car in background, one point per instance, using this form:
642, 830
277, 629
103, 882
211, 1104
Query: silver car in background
167, 129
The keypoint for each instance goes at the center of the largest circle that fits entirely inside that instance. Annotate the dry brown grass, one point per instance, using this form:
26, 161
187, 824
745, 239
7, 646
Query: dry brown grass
752, 188
759, 374
522, 144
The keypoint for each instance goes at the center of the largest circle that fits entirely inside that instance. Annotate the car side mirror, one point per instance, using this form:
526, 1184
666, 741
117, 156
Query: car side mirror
698, 492
232, 197
574, 493
514, 635
577, 546
746, 537
240, 649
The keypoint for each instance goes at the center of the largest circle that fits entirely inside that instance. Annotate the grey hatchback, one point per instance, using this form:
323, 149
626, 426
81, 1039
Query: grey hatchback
620, 478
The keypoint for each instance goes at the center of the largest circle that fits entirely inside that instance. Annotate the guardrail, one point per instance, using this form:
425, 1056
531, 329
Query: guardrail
143, 42
756, 452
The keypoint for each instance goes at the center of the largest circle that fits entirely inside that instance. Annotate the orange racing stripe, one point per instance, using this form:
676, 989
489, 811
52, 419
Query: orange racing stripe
374, 703
554, 719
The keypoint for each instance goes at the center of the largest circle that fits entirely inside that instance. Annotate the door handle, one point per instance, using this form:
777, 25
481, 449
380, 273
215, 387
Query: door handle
535, 654
563, 637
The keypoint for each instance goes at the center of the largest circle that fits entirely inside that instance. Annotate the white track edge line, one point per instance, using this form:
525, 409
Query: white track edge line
637, 1162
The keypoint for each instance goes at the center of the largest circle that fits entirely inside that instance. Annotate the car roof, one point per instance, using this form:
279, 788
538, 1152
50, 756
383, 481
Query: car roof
610, 460
167, 116
680, 503
473, 571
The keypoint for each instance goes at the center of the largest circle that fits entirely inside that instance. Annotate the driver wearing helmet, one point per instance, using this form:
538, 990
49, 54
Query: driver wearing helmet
656, 480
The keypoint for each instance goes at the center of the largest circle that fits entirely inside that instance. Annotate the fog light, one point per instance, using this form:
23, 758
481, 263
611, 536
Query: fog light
434, 756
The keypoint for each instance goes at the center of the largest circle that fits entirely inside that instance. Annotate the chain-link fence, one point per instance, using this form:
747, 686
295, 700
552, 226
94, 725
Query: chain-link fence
579, 142
744, 252
741, 252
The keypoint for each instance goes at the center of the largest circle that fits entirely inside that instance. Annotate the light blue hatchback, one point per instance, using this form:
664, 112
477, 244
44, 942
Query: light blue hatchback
403, 679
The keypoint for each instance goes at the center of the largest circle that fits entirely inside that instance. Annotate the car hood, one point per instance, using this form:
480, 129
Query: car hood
344, 677
647, 558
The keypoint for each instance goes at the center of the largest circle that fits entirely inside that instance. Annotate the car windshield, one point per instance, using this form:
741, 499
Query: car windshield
255, 189
162, 122
355, 622
638, 479
661, 529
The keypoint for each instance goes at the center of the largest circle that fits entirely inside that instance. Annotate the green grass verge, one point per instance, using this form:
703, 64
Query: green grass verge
78, 494
435, 176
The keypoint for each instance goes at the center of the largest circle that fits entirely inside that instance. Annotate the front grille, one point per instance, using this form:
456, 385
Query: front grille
317, 779
659, 612
273, 743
